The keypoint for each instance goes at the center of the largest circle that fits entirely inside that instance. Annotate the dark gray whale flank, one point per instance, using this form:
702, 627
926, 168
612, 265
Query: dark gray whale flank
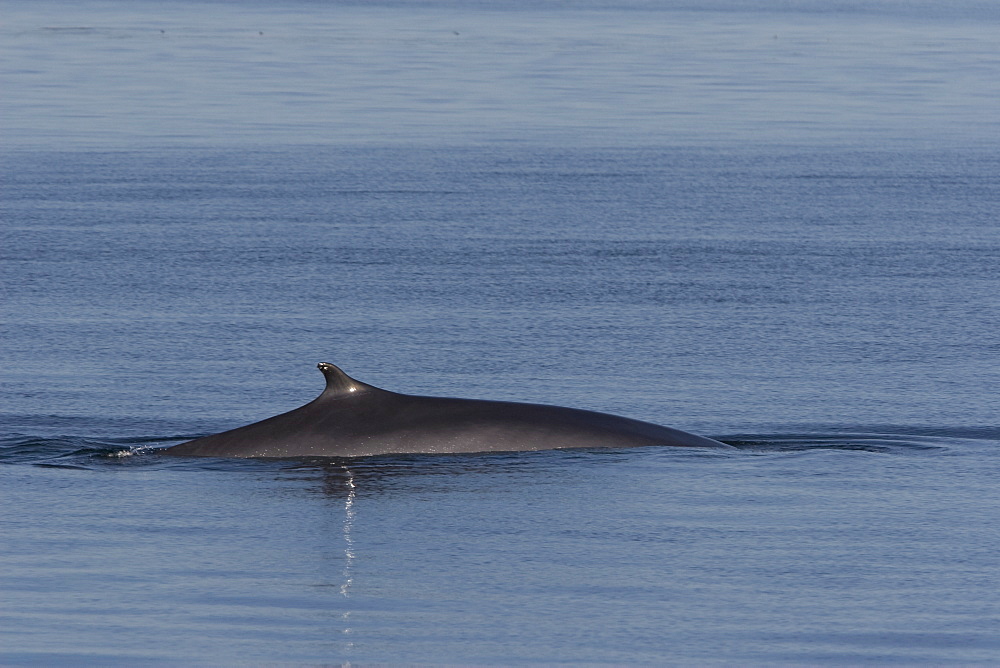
352, 419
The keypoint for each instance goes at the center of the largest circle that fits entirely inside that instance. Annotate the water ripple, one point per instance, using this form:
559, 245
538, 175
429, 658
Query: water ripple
71, 451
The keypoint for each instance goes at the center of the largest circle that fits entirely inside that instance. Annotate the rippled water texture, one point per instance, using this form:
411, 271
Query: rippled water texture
775, 227
121, 74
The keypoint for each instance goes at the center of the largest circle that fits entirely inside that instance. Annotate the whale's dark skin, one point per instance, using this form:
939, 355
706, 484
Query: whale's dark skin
352, 419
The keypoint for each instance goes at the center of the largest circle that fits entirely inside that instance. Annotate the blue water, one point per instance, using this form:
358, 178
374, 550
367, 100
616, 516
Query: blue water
775, 227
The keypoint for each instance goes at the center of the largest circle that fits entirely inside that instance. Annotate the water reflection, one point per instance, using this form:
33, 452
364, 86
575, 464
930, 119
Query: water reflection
342, 478
346, 478
339, 477
345, 587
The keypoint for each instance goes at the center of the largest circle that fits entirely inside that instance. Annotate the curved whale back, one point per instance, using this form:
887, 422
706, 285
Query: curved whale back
351, 419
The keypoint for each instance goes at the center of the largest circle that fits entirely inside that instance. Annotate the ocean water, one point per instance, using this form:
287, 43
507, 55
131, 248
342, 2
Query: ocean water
775, 226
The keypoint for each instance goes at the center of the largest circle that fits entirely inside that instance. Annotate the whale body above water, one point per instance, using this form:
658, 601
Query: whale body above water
353, 419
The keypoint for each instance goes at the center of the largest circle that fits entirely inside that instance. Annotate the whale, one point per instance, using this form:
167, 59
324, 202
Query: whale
354, 419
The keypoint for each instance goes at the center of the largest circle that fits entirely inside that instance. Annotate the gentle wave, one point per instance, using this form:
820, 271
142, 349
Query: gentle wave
882, 439
68, 451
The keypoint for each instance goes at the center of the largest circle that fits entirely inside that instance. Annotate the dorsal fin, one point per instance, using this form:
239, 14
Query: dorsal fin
339, 384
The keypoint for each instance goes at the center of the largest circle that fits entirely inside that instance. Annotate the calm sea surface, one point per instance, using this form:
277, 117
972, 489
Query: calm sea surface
776, 227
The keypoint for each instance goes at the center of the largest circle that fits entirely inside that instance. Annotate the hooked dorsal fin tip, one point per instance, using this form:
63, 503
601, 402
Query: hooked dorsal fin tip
339, 383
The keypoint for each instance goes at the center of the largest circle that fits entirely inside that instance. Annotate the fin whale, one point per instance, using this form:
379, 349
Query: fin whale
353, 419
